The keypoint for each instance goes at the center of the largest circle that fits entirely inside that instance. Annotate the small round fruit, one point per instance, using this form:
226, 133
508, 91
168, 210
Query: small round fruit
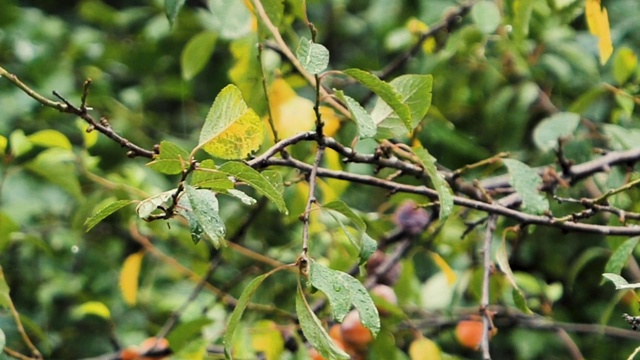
387, 294
469, 333
389, 277
354, 334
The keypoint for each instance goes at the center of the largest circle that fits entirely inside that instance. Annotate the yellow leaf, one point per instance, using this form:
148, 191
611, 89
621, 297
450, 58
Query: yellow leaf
598, 23
267, 339
3, 144
91, 308
129, 275
424, 349
417, 28
293, 114
446, 269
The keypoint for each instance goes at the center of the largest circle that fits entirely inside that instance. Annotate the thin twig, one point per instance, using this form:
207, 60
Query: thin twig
484, 301
310, 201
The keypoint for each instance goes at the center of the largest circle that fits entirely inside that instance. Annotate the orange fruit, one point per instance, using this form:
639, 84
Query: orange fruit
469, 333
354, 334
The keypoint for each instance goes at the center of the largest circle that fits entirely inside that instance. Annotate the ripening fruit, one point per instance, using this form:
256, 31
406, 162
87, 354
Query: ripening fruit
389, 277
159, 347
130, 353
387, 294
469, 333
354, 334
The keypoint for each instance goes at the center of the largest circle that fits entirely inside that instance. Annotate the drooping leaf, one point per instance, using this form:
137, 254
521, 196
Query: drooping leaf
386, 92
231, 130
343, 290
254, 179
236, 315
367, 247
549, 130
129, 275
197, 53
502, 258
620, 282
147, 206
314, 332
242, 196
366, 126
442, 187
96, 308
50, 138
313, 57
621, 255
204, 205
103, 212
486, 15
172, 9
344, 209
598, 23
424, 349
526, 182
171, 160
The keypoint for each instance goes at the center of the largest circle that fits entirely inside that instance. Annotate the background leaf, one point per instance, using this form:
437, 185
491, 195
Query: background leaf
549, 130
196, 54
621, 255
239, 309
103, 212
129, 275
172, 9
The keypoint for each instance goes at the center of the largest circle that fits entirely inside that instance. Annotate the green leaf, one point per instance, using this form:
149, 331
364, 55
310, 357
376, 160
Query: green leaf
255, 180
172, 159
386, 92
486, 15
197, 53
621, 255
50, 138
344, 209
242, 196
313, 57
521, 18
621, 138
58, 167
625, 63
3, 340
314, 332
103, 212
620, 282
549, 130
230, 18
502, 258
526, 182
147, 206
208, 176
20, 143
231, 130
183, 334
172, 9
442, 187
415, 91
236, 315
194, 225
367, 247
205, 208
343, 290
366, 126
5, 299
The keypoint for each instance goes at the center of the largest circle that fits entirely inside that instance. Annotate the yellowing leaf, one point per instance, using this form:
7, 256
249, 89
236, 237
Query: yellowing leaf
50, 138
424, 349
232, 130
267, 339
91, 308
598, 23
129, 277
416, 27
293, 114
446, 269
